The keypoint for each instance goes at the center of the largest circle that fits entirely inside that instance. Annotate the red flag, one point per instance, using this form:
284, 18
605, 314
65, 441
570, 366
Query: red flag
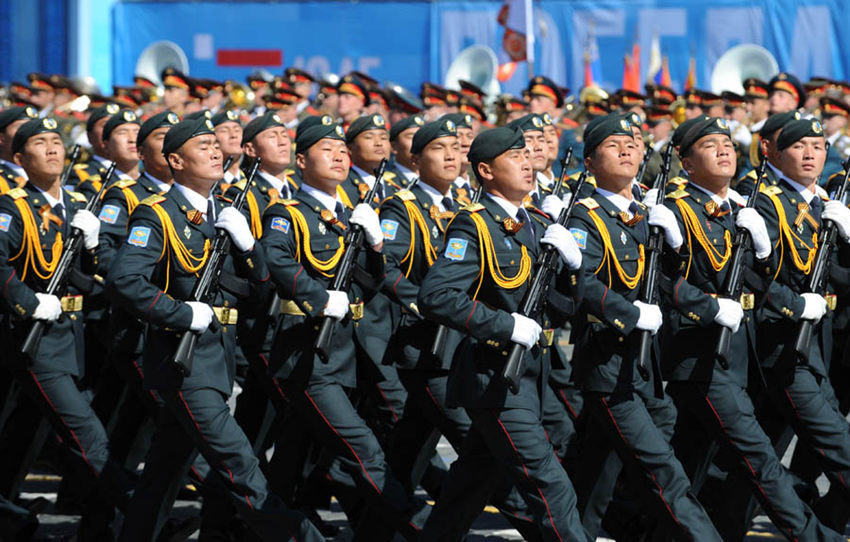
665, 73
691, 81
628, 72
588, 71
636, 77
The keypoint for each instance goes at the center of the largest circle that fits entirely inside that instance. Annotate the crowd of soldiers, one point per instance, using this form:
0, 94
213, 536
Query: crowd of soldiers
372, 253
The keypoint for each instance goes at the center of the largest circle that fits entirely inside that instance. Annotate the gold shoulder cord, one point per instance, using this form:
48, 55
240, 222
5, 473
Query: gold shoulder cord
488, 255
417, 220
254, 210
302, 242
132, 200
343, 197
609, 257
693, 227
786, 234
31, 246
172, 244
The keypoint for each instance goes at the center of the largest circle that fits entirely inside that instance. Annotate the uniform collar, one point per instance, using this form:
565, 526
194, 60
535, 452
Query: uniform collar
198, 201
758, 126
508, 207
545, 181
805, 193
460, 182
619, 201
104, 162
50, 199
329, 202
408, 173
834, 137
161, 186
435, 196
367, 178
276, 183
658, 145
16, 169
717, 199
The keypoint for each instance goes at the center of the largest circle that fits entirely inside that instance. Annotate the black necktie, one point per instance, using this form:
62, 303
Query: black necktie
535, 199
816, 208
340, 213
448, 204
523, 218
59, 211
636, 193
467, 188
635, 209
210, 213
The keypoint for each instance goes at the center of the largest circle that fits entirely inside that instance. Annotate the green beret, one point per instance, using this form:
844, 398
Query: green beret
183, 131
260, 124
528, 123
697, 131
227, 115
101, 112
778, 121
461, 120
316, 133
431, 131
362, 124
633, 119
12, 114
796, 130
32, 128
491, 143
547, 119
202, 114
313, 120
682, 129
160, 120
413, 121
601, 128
122, 117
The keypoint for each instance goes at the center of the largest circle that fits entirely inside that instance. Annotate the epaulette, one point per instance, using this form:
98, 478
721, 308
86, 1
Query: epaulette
240, 184
841, 174
590, 203
77, 197
93, 178
388, 176
575, 175
751, 174
678, 181
124, 183
405, 195
771, 190
150, 201
678, 194
17, 193
78, 167
473, 207
288, 202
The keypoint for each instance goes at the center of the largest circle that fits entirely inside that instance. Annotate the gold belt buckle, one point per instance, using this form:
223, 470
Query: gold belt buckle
356, 310
226, 315
72, 303
831, 301
748, 301
287, 306
547, 337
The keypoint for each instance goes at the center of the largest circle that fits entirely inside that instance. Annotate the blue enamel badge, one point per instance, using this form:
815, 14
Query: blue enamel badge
5, 222
139, 236
109, 214
456, 249
390, 229
280, 224
580, 236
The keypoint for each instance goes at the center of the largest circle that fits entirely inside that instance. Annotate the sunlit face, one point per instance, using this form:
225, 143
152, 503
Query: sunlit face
369, 148
711, 159
121, 144
781, 101
615, 161
325, 164
43, 156
401, 146
535, 142
272, 146
803, 161
229, 135
509, 175
439, 162
199, 158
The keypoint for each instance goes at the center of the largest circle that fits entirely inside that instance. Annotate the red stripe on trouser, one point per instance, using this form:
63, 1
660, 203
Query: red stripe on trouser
386, 402
567, 403
651, 474
539, 491
198, 427
274, 380
71, 431
142, 376
749, 465
434, 400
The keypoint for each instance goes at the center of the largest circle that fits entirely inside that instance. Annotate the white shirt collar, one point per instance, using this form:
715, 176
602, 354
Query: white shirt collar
324, 198
834, 137
544, 180
196, 200
717, 199
18, 170
622, 203
50, 199
407, 172
281, 187
368, 178
658, 145
460, 182
758, 126
435, 196
804, 191
508, 207
163, 187
105, 161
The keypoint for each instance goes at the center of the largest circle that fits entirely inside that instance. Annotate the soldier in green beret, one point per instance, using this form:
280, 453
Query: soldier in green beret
228, 132
768, 136
11, 174
401, 137
462, 188
87, 175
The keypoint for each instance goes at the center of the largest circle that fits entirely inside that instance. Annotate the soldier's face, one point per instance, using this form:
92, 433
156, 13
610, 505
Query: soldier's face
229, 135
692, 111
711, 159
509, 175
833, 123
439, 162
42, 97
551, 135
370, 147
464, 139
96, 135
121, 145
535, 142
7, 135
151, 150
615, 161
639, 140
43, 156
200, 158
325, 164
804, 160
349, 105
781, 101
541, 104
757, 108
174, 97
272, 146
302, 89
401, 146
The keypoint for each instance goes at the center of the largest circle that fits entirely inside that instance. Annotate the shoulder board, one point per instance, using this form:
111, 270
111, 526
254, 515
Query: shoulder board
678, 194
771, 190
389, 175
288, 202
77, 197
80, 166
839, 175
473, 207
94, 178
124, 183
590, 203
240, 184
150, 201
678, 181
575, 175
405, 195
17, 193
751, 175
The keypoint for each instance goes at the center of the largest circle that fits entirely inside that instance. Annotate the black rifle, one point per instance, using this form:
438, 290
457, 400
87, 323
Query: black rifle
734, 283
647, 154
535, 296
58, 283
438, 347
224, 168
75, 155
655, 245
820, 272
207, 286
354, 239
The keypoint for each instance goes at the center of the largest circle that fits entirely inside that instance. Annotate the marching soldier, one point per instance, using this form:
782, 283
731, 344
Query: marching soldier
476, 287
834, 113
401, 138
228, 132
11, 174
153, 276
770, 131
86, 177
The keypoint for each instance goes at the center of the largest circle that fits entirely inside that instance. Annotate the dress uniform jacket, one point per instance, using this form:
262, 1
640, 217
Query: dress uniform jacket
88, 176
747, 182
9, 179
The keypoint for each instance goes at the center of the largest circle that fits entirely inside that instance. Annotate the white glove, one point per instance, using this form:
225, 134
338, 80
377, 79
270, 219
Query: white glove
664, 218
561, 238
49, 307
840, 214
202, 315
553, 205
729, 314
815, 307
650, 199
567, 198
86, 222
526, 331
751, 220
650, 317
366, 217
234, 223
337, 306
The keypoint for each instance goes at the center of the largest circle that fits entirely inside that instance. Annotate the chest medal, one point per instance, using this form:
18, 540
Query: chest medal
322, 228
623, 237
187, 232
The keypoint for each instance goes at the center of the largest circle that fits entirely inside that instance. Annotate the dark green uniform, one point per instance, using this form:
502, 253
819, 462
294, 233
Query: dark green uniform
86, 178
9, 178
747, 183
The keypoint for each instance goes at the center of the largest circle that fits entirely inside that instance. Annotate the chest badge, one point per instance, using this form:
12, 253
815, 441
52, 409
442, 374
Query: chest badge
322, 228
435, 232
623, 237
187, 233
